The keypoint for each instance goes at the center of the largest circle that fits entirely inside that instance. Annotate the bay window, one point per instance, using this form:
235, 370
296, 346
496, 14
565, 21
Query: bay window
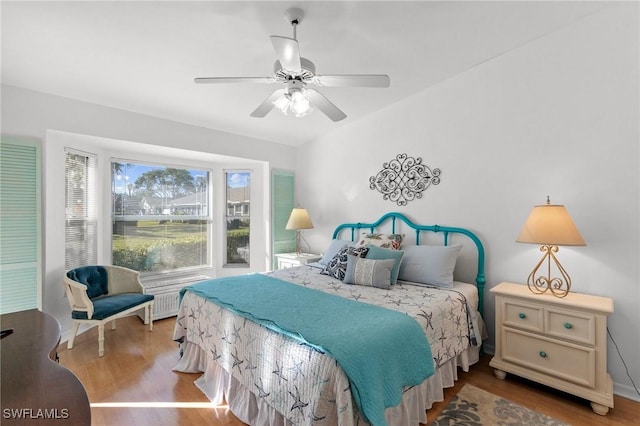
161, 217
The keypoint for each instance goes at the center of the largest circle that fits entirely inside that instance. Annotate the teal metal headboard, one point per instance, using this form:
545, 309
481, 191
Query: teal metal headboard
446, 230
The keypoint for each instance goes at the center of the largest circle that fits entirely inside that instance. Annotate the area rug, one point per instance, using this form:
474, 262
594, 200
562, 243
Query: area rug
474, 406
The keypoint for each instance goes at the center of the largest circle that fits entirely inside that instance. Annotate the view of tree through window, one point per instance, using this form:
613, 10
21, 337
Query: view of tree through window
238, 216
161, 217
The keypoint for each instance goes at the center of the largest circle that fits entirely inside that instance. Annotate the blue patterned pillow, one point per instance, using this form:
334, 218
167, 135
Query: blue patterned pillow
337, 266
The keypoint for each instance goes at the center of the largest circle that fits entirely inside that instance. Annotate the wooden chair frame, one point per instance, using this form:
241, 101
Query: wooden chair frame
120, 280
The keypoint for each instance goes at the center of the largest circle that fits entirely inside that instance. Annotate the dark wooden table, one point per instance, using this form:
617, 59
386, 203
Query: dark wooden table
36, 390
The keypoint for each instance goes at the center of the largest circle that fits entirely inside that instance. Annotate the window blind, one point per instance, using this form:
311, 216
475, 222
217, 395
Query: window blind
282, 202
81, 224
20, 225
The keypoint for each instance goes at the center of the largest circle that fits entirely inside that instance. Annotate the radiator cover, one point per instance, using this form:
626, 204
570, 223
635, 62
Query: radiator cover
167, 293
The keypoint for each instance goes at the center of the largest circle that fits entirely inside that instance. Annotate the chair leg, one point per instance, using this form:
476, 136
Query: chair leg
74, 331
101, 339
149, 315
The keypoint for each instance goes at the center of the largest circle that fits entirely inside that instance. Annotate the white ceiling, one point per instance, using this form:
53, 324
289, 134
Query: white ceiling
143, 56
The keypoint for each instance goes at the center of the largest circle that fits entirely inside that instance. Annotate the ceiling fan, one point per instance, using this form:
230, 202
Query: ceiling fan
295, 73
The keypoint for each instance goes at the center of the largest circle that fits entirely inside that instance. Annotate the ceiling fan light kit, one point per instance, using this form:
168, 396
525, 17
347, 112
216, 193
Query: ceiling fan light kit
296, 73
294, 101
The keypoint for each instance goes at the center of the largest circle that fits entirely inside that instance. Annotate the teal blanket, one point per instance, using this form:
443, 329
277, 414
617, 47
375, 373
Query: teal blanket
380, 350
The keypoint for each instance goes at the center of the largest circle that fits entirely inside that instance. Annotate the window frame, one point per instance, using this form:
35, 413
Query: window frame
208, 218
91, 217
226, 216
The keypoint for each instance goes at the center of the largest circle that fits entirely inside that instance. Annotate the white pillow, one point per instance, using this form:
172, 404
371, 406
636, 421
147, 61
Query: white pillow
333, 249
432, 265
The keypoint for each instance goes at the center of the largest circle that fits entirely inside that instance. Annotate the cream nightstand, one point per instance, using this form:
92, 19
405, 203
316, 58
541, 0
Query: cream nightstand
287, 260
559, 342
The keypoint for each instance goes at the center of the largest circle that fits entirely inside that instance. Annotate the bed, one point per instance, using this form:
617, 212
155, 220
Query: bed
257, 359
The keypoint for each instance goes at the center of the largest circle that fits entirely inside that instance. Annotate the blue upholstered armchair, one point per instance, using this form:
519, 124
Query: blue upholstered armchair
99, 294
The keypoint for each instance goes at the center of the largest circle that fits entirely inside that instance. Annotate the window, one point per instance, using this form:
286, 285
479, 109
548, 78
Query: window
161, 217
238, 217
81, 222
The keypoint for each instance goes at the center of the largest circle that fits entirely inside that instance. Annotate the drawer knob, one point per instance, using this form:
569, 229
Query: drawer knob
543, 354
522, 315
568, 325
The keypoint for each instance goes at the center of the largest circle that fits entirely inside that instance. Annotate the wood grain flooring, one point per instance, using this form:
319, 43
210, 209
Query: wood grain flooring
133, 384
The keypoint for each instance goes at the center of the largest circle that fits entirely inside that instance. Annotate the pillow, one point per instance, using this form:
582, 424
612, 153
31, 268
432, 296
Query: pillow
337, 266
94, 277
333, 249
368, 272
379, 253
390, 241
431, 265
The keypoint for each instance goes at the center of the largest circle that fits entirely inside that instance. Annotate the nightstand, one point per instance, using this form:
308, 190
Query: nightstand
287, 260
559, 342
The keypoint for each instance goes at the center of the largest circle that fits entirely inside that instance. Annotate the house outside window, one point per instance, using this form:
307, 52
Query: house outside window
238, 218
161, 217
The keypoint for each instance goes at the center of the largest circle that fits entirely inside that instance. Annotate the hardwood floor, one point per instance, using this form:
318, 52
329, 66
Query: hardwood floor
133, 384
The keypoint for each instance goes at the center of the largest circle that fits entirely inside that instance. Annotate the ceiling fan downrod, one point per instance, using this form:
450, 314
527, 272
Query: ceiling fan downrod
294, 16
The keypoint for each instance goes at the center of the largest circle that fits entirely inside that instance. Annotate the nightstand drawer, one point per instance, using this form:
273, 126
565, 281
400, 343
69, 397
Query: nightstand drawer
571, 325
523, 315
570, 362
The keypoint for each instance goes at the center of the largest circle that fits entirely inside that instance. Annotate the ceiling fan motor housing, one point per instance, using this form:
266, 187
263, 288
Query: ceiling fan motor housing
307, 72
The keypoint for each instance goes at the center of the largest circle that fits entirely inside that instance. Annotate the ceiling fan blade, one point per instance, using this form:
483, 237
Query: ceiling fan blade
216, 80
288, 53
354, 80
267, 105
318, 100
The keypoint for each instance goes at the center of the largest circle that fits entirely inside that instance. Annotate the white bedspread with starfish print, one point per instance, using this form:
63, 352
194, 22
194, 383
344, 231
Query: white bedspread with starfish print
305, 386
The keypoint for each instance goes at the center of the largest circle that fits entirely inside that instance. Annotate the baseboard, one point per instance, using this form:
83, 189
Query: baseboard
488, 349
625, 391
66, 335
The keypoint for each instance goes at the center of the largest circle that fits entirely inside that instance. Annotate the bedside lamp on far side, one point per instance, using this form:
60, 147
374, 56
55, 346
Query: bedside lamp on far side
551, 226
299, 220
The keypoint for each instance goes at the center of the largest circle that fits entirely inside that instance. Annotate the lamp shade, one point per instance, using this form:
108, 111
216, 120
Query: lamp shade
299, 219
550, 225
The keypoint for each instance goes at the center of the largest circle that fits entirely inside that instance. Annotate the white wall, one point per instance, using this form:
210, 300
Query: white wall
557, 117
60, 122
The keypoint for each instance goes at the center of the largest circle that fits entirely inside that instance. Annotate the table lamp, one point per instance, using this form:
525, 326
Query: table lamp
551, 226
299, 220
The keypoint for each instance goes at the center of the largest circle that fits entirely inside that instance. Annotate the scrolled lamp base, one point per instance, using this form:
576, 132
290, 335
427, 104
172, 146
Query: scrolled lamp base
559, 287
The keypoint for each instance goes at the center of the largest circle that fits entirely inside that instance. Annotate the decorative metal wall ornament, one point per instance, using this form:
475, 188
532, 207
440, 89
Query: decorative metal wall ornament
404, 179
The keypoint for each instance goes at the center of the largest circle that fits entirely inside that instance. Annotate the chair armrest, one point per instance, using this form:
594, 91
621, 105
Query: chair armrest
123, 280
77, 296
